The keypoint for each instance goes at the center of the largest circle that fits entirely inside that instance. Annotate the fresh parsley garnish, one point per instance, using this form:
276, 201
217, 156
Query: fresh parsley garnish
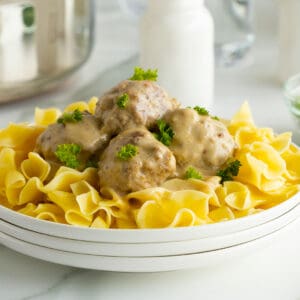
296, 103
231, 169
201, 111
72, 117
28, 15
165, 134
141, 74
128, 151
192, 173
68, 154
91, 163
122, 101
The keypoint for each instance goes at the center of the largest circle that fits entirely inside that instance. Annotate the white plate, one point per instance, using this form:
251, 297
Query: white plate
146, 235
150, 249
136, 264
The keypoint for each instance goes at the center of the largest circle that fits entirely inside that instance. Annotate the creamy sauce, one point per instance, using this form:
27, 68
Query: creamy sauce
147, 103
86, 133
199, 141
153, 164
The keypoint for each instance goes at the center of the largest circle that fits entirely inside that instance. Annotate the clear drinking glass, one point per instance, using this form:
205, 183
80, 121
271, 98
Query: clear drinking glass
234, 34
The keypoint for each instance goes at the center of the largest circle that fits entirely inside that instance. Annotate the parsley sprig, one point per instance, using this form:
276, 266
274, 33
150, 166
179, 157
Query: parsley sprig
165, 134
192, 173
91, 163
232, 169
141, 74
123, 101
128, 151
201, 110
72, 117
68, 154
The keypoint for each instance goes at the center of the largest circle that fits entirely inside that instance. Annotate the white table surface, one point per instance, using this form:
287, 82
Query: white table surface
270, 273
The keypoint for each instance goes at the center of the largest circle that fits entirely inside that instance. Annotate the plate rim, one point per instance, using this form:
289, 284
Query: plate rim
139, 264
149, 249
145, 235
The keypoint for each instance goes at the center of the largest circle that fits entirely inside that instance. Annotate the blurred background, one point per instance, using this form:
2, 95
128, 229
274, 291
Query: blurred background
59, 51
99, 46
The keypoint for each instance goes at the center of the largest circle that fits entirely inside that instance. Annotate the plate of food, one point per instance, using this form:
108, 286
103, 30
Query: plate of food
134, 166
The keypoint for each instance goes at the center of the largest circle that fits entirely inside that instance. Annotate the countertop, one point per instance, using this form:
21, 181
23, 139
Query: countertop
269, 273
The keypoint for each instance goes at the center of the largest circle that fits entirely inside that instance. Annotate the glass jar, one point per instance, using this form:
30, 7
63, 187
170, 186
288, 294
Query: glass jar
176, 37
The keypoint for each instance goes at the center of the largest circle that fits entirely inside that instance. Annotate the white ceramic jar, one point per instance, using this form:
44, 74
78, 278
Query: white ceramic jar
177, 38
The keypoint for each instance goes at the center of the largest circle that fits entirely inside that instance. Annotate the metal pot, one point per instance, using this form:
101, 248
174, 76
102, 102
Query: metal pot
41, 43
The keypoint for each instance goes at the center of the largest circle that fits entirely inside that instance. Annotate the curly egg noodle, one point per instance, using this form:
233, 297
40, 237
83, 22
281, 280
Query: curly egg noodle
270, 174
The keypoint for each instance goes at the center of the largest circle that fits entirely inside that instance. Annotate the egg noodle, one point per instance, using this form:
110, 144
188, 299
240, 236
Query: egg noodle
270, 174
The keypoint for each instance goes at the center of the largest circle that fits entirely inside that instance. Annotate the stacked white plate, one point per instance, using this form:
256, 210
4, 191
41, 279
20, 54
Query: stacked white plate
140, 250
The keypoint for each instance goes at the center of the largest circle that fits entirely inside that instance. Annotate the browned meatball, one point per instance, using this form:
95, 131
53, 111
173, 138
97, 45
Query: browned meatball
85, 133
146, 103
152, 164
199, 141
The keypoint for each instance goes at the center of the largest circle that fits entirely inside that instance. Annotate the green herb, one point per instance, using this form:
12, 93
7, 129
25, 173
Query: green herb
296, 103
72, 117
165, 134
122, 101
128, 151
68, 154
192, 173
201, 111
232, 169
140, 74
91, 163
28, 16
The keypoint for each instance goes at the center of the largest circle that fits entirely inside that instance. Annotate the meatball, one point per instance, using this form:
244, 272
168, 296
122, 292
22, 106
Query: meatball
85, 133
198, 141
146, 103
152, 164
